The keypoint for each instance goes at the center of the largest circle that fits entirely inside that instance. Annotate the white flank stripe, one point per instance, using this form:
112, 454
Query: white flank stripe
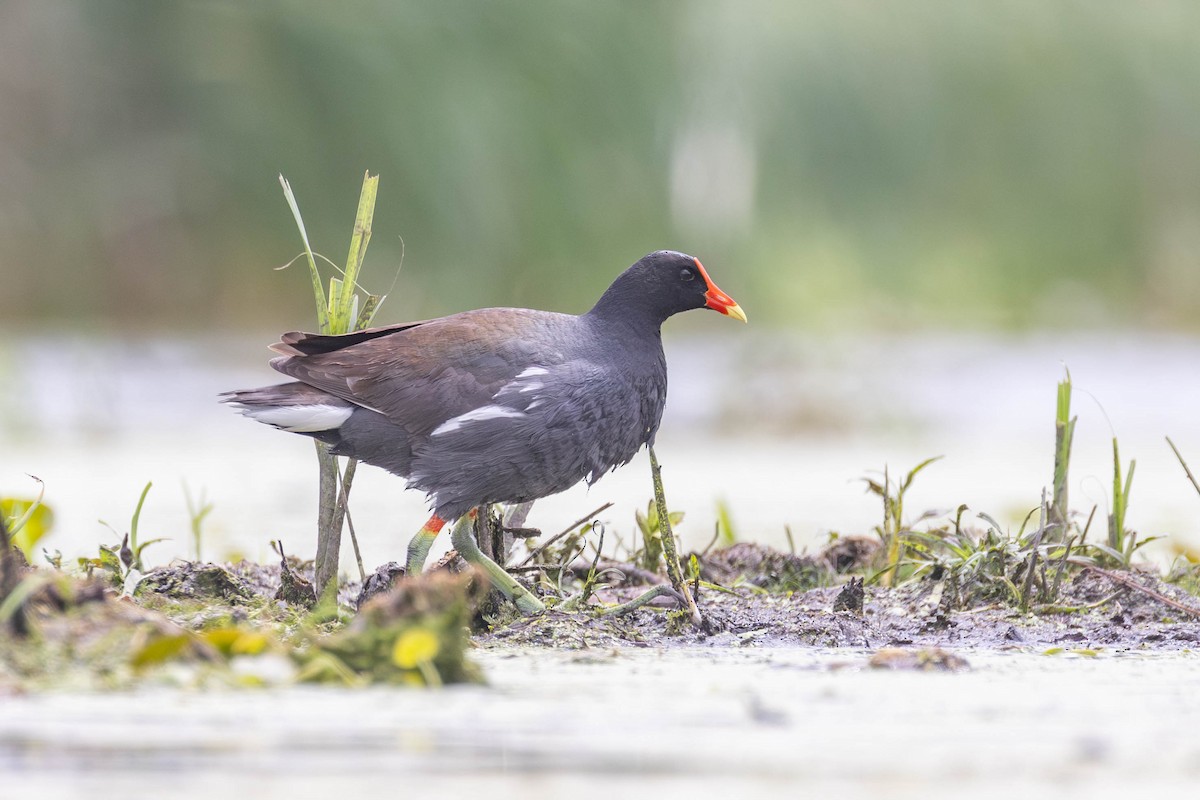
476, 415
523, 383
300, 419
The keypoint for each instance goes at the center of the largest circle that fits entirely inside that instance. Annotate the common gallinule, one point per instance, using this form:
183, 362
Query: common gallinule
498, 405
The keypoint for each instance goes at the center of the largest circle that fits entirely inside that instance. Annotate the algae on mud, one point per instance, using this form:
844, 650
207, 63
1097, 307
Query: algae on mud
207, 624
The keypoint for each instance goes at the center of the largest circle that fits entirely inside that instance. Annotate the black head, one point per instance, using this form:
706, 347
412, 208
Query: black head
661, 284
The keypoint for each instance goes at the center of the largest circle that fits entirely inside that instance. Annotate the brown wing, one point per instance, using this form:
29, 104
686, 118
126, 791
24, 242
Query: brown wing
421, 374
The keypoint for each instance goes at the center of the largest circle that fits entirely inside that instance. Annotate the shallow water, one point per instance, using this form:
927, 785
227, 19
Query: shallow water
781, 428
695, 722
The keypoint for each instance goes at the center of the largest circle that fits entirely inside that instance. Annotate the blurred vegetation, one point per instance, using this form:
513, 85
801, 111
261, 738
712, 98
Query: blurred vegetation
835, 163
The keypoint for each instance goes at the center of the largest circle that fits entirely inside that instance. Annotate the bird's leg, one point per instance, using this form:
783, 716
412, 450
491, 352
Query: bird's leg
463, 540
674, 572
418, 548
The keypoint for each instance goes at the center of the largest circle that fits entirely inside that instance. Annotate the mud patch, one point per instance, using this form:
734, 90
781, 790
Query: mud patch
902, 617
1095, 609
195, 582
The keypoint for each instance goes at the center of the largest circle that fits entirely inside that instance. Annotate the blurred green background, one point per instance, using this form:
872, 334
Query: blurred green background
836, 164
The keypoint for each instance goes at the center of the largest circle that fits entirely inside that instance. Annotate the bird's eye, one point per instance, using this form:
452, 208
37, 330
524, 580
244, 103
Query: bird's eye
686, 274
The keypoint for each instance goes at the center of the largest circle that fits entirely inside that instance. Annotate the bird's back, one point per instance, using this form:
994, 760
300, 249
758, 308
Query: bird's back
495, 405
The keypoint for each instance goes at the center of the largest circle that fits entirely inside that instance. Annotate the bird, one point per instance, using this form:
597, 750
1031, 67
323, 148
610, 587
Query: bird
495, 405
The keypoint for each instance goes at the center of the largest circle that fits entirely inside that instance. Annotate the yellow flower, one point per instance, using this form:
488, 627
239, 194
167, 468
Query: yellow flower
414, 647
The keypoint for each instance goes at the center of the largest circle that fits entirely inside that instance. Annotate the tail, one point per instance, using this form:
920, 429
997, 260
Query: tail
295, 407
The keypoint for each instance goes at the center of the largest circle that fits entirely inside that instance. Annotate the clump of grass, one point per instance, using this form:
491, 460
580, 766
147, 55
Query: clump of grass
1025, 569
989, 565
338, 312
1122, 542
893, 529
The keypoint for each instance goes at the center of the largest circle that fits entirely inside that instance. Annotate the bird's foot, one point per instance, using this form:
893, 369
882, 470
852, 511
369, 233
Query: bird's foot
463, 541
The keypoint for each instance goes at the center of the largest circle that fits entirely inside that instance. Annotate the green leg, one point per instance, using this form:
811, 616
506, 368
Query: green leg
418, 548
463, 540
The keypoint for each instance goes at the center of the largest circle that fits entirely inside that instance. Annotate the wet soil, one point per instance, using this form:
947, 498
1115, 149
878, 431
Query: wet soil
746, 600
741, 593
909, 616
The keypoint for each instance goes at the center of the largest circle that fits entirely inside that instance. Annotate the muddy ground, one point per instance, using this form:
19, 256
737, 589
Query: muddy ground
745, 600
247, 624
901, 617
909, 616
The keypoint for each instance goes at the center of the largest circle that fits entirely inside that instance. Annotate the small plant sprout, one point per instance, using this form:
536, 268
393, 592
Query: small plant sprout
198, 508
130, 552
1122, 542
594, 576
726, 532
1064, 433
650, 556
1118, 535
892, 530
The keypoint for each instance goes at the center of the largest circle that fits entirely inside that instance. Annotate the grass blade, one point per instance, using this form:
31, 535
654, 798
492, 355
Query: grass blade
341, 304
318, 290
1064, 433
133, 526
1184, 464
